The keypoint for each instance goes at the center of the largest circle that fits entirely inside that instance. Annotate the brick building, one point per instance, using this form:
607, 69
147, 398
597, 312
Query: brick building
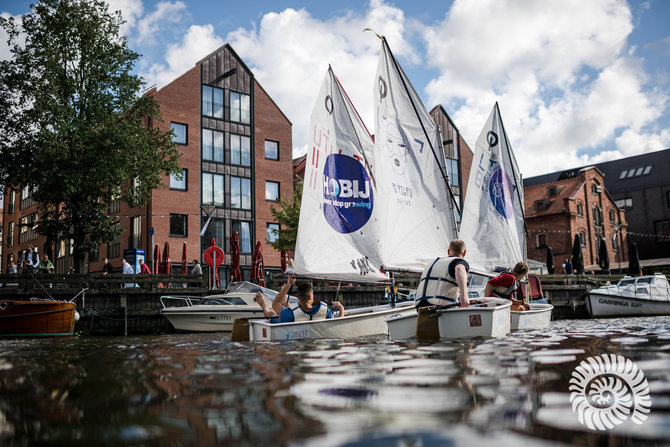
574, 204
236, 151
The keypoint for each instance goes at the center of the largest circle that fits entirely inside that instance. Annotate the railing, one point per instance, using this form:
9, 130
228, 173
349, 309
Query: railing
11, 283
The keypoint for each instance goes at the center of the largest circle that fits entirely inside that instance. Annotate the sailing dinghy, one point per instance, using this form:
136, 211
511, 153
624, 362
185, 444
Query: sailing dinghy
493, 226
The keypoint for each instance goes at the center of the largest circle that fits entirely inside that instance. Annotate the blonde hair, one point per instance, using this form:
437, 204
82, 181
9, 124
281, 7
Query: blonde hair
520, 269
457, 247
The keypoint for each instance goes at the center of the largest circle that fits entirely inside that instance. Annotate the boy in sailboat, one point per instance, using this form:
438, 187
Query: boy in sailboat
307, 308
505, 285
445, 281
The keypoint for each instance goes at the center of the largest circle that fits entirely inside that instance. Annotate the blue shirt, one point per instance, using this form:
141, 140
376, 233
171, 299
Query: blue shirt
287, 316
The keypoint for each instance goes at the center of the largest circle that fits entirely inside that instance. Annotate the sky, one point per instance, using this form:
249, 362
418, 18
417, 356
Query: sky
577, 82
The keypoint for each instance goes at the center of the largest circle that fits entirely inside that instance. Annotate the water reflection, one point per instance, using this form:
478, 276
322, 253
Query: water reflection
204, 390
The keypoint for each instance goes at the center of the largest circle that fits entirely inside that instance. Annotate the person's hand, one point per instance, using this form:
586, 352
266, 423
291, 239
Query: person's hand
289, 282
526, 306
464, 303
259, 297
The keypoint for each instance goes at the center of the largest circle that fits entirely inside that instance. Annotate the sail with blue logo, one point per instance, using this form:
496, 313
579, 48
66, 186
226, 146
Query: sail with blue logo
492, 225
337, 234
416, 217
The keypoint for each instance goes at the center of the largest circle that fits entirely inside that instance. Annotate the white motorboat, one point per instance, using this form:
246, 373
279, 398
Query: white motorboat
215, 313
639, 296
359, 322
537, 317
489, 319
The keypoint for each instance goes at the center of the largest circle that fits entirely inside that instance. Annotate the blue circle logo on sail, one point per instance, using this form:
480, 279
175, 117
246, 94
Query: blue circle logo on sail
347, 193
500, 191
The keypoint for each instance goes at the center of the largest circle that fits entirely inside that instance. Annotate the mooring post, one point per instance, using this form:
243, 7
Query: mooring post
125, 314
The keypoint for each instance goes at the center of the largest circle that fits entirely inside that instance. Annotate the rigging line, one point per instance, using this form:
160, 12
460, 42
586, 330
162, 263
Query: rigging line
340, 91
432, 149
518, 193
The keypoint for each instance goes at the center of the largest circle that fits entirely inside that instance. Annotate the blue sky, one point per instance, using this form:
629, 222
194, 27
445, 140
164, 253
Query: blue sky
578, 82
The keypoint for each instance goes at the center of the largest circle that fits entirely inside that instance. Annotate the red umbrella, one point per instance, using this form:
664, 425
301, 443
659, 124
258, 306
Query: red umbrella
184, 261
284, 260
167, 265
156, 260
212, 243
235, 274
257, 269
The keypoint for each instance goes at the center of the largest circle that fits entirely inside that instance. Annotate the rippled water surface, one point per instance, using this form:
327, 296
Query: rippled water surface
201, 389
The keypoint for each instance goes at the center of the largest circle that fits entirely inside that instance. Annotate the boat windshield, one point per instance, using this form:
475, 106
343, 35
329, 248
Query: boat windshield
645, 280
227, 301
627, 282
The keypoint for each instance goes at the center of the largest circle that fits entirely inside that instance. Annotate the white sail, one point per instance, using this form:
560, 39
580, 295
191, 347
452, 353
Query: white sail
492, 225
337, 237
416, 220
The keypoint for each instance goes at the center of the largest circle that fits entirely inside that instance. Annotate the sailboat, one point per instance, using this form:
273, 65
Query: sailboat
493, 225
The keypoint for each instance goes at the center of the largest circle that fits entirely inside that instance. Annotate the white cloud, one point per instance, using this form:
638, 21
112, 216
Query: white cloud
561, 70
165, 14
197, 43
131, 10
290, 52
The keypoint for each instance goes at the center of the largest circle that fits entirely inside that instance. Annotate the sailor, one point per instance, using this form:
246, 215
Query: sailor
306, 309
445, 281
505, 285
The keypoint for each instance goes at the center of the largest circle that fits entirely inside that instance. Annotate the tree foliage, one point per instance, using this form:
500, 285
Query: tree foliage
287, 214
74, 123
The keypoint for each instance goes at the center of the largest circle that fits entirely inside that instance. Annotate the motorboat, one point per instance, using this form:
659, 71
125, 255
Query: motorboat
358, 322
37, 318
631, 296
216, 313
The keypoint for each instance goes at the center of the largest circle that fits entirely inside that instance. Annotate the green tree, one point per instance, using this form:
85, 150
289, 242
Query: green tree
74, 123
288, 214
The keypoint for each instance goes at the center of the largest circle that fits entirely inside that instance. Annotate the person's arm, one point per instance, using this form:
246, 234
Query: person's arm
281, 300
340, 309
488, 290
462, 281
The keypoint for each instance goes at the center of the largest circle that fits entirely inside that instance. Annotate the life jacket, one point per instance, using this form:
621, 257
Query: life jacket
301, 315
505, 292
438, 287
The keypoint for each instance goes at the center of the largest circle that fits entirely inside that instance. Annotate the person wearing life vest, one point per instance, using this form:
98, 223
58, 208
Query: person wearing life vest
306, 309
504, 286
445, 281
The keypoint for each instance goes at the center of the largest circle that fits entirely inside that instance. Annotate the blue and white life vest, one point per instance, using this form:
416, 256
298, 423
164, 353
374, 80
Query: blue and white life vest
300, 315
438, 286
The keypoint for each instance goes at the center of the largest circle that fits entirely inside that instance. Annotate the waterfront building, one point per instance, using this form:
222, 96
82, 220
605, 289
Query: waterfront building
236, 151
575, 203
640, 185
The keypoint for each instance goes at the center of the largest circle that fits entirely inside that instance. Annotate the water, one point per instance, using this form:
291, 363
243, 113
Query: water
201, 389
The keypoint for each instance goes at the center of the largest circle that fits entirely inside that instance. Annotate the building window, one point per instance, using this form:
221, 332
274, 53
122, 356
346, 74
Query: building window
244, 230
615, 242
240, 193
612, 216
271, 150
11, 198
626, 203
582, 238
212, 145
272, 233
552, 191
10, 234
542, 205
135, 239
28, 228
212, 101
179, 225
136, 190
240, 150
597, 216
662, 230
94, 254
179, 133
114, 248
580, 209
240, 108
452, 171
541, 241
271, 191
623, 174
179, 183
114, 203
596, 189
26, 198
457, 216
212, 189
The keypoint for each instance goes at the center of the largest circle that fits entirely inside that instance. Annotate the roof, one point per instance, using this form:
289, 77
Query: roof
626, 174
567, 188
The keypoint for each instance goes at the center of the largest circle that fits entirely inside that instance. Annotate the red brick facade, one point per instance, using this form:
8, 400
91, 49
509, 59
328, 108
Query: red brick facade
556, 212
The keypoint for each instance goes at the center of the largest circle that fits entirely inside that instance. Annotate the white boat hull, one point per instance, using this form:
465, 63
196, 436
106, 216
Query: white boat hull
488, 320
610, 305
207, 320
537, 317
402, 326
361, 322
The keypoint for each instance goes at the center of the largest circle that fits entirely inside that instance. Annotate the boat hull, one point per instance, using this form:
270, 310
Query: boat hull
36, 318
488, 320
610, 305
537, 317
402, 326
362, 322
207, 320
